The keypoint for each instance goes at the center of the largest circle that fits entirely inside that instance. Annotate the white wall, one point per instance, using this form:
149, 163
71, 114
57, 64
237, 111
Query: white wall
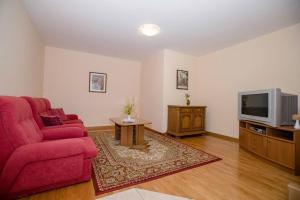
158, 85
152, 76
269, 61
21, 52
66, 84
174, 61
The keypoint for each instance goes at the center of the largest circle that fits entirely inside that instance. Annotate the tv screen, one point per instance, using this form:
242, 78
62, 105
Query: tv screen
255, 104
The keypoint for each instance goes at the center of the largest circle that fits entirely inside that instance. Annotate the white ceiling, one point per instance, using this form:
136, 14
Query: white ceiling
196, 27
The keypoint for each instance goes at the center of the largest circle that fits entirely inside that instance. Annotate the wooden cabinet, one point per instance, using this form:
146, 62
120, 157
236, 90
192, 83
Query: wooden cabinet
186, 120
280, 145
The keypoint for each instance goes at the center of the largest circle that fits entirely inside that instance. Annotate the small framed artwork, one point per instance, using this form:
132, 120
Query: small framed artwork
182, 82
97, 82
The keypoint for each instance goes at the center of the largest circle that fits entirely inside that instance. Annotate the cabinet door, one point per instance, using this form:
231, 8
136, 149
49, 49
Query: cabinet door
244, 138
185, 122
258, 144
281, 152
198, 121
173, 119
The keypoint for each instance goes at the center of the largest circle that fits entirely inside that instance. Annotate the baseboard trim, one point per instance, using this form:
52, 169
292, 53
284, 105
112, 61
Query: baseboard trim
225, 137
111, 127
150, 129
100, 128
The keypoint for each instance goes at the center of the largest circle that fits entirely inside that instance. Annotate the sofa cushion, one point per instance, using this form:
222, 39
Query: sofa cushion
51, 120
90, 147
62, 133
59, 112
38, 107
75, 121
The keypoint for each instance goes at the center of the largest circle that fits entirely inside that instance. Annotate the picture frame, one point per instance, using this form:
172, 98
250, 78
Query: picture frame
97, 82
182, 80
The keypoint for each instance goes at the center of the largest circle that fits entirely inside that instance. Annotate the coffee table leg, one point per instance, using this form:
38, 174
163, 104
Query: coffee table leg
126, 135
139, 134
130, 136
117, 132
140, 144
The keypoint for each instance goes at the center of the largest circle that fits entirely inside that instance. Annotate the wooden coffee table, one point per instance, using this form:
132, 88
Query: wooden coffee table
130, 134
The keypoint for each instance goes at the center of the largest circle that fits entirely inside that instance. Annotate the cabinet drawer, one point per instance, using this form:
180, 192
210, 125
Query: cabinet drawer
185, 110
198, 110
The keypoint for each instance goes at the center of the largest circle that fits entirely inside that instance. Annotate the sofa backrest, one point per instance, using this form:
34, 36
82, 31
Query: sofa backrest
47, 103
39, 107
17, 126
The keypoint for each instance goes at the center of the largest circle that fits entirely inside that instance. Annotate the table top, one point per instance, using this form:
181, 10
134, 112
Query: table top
183, 106
138, 121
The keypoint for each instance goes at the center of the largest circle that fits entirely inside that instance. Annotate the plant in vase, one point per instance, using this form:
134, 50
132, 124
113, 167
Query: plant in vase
187, 99
128, 110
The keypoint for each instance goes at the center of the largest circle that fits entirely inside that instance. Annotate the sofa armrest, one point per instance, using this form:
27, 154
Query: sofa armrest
72, 116
62, 133
38, 152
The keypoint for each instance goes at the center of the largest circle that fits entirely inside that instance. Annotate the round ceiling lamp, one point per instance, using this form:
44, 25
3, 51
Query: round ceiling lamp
149, 29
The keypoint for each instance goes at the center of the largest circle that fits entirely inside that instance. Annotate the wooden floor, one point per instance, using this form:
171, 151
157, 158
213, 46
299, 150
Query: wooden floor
240, 175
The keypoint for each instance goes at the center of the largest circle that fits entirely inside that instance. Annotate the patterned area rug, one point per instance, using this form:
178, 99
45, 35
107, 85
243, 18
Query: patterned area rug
117, 166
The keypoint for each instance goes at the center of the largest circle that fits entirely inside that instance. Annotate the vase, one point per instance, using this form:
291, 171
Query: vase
129, 118
297, 125
188, 102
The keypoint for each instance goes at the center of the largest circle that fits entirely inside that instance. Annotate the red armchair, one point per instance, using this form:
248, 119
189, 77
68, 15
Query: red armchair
42, 106
30, 163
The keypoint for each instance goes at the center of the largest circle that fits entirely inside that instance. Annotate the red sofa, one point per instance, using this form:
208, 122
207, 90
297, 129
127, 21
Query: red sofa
42, 106
29, 161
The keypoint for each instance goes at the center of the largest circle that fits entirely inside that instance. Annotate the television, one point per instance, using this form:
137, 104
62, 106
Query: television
270, 106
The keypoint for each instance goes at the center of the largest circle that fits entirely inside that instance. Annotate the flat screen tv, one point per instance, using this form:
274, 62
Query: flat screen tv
270, 106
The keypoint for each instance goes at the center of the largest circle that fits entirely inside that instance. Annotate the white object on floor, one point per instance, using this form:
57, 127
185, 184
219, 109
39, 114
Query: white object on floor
294, 191
139, 194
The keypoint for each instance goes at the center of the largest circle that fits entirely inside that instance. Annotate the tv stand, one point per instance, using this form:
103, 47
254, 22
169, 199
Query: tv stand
280, 145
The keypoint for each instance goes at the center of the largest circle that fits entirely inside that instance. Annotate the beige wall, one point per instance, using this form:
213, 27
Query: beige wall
152, 90
66, 84
269, 61
21, 52
174, 61
158, 85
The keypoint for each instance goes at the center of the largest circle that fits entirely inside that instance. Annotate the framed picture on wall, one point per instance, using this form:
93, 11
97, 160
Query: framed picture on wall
182, 82
97, 82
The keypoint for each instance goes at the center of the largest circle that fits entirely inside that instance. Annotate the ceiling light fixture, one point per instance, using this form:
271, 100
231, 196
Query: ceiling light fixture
149, 29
